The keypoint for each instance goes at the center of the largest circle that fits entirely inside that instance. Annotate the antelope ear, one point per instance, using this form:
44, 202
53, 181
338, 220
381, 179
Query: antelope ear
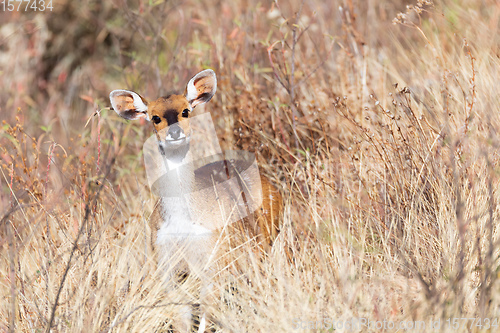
201, 88
128, 104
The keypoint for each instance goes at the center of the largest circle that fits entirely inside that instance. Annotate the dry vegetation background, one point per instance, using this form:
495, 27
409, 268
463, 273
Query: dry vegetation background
378, 122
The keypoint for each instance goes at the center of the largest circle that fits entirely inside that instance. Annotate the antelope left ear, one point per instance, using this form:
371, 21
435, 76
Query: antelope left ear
201, 88
129, 104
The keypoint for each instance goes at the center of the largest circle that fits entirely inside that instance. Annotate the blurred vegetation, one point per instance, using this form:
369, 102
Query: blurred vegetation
378, 120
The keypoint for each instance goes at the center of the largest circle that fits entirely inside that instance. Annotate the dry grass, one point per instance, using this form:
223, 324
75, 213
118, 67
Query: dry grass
382, 137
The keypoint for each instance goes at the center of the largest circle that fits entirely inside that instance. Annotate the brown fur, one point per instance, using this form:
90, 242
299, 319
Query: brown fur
264, 224
125, 102
162, 105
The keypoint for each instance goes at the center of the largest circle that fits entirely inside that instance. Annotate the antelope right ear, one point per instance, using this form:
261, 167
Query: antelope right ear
201, 88
129, 104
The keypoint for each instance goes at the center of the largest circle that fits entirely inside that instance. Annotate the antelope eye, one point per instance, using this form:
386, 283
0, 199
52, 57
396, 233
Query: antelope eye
156, 119
185, 113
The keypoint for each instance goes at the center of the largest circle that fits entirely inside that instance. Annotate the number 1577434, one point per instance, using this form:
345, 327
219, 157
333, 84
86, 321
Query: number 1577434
25, 5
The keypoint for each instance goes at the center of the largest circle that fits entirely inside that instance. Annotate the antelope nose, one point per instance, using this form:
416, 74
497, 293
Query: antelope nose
174, 131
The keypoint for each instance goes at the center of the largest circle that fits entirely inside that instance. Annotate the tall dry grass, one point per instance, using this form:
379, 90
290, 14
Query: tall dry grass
378, 121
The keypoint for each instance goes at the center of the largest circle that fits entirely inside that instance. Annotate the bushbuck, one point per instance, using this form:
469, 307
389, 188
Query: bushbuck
176, 232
